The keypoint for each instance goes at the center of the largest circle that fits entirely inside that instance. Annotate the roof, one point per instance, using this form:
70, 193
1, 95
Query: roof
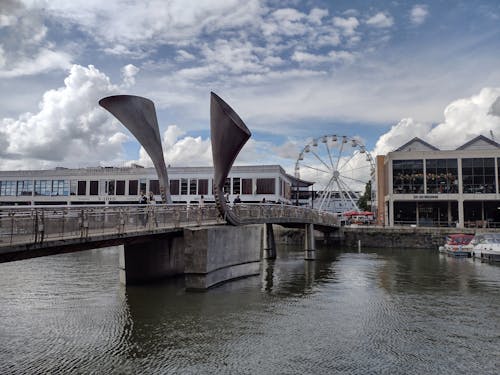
417, 144
297, 182
480, 142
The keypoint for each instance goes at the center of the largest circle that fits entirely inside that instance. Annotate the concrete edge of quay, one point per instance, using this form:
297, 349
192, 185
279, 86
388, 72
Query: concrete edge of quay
401, 237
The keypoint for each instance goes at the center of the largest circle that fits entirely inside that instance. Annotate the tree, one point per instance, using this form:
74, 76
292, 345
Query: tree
364, 201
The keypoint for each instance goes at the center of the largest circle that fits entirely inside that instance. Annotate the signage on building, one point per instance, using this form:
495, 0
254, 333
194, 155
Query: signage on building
426, 196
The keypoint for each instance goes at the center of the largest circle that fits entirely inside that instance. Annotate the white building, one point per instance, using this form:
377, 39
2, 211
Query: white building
112, 185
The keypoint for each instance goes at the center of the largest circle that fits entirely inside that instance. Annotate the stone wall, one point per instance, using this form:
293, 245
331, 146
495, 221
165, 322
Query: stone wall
383, 237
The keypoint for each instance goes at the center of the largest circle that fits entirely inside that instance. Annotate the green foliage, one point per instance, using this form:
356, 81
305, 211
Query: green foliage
365, 198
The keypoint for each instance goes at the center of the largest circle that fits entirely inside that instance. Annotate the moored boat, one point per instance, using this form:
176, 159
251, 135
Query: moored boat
487, 246
458, 245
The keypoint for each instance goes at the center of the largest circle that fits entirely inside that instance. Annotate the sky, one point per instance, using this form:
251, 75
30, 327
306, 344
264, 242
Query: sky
381, 72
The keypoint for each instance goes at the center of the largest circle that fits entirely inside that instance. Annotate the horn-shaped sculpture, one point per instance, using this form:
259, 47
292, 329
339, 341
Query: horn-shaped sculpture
228, 135
138, 114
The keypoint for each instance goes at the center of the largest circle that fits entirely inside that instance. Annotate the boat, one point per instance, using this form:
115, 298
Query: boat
458, 245
487, 246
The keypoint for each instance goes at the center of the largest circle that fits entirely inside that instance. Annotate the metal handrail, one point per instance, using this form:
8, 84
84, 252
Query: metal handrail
35, 225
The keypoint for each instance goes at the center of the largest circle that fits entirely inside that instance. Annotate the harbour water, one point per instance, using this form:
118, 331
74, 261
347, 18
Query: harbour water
349, 312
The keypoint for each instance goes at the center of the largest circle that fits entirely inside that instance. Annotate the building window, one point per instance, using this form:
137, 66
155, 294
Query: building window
133, 186
94, 187
142, 186
203, 186
246, 186
82, 188
265, 186
7, 188
408, 176
154, 187
193, 184
110, 187
174, 187
498, 181
478, 175
236, 185
43, 187
73, 184
25, 188
441, 176
120, 187
227, 185
184, 186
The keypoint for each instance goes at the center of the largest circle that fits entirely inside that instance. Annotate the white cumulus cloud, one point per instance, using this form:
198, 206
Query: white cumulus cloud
380, 20
418, 14
69, 129
464, 119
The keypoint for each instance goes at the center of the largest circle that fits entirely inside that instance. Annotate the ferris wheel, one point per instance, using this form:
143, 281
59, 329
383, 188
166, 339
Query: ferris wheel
339, 166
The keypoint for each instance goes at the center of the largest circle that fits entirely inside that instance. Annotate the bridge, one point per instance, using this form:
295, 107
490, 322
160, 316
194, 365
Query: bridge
47, 230
165, 240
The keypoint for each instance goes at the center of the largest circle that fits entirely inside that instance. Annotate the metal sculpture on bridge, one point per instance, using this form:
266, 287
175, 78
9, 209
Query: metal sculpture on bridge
228, 135
138, 114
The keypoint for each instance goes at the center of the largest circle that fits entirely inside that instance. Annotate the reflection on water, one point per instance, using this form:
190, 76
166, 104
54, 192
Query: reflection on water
377, 312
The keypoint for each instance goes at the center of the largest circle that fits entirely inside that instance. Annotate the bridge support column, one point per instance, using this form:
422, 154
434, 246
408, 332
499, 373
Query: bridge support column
152, 260
217, 254
268, 243
310, 245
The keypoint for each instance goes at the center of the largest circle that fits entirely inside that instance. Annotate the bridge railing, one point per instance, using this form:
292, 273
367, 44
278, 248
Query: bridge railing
280, 213
35, 225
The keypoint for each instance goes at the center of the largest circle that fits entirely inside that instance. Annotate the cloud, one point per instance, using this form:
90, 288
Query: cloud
418, 14
332, 56
495, 108
347, 25
380, 20
151, 22
464, 119
46, 60
180, 150
128, 74
316, 15
69, 128
399, 134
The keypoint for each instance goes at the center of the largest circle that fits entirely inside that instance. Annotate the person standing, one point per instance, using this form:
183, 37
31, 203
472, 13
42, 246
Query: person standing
237, 200
201, 204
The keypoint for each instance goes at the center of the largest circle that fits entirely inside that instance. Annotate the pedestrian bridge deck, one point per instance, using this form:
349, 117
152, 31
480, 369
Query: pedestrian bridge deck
55, 227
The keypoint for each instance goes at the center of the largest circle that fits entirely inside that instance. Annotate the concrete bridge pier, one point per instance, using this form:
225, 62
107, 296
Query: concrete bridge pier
309, 245
221, 253
268, 243
151, 260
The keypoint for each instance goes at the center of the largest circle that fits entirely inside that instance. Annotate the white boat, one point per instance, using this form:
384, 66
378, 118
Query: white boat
458, 244
487, 246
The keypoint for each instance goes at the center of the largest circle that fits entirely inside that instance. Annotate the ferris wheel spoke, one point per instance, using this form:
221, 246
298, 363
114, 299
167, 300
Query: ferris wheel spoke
323, 195
316, 169
321, 160
329, 154
341, 194
348, 161
361, 167
340, 154
348, 190
353, 179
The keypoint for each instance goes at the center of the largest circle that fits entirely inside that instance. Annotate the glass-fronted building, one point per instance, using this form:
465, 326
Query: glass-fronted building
421, 185
113, 185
